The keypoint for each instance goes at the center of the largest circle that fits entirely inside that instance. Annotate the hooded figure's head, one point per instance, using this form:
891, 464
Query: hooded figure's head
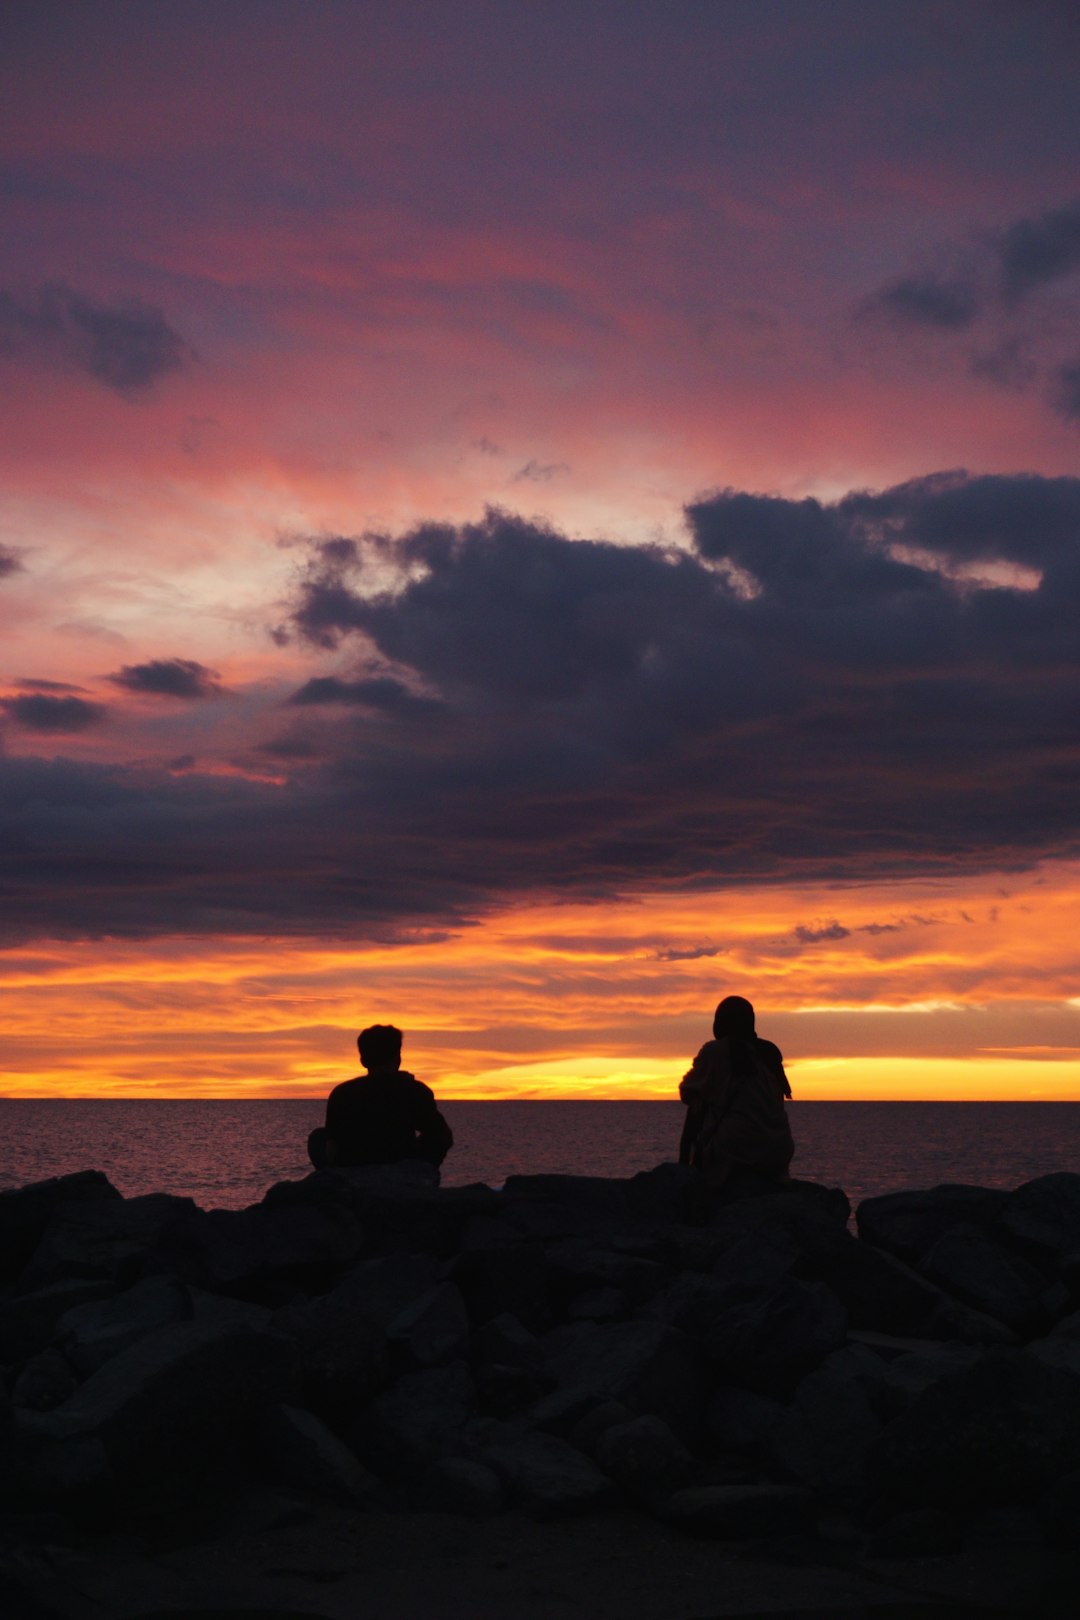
734, 1017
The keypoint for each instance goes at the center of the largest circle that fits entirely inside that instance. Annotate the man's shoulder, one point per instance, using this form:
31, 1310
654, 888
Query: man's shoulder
769, 1051
347, 1088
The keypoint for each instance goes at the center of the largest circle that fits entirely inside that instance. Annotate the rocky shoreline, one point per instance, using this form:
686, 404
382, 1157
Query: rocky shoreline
745, 1371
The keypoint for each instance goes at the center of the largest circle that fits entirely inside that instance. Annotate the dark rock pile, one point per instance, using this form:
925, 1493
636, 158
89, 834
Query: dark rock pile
562, 1345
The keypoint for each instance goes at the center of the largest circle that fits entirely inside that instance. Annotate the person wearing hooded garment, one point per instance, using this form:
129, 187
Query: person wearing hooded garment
734, 1092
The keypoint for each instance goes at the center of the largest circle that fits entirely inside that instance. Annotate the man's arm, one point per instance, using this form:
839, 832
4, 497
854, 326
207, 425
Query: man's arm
333, 1127
434, 1138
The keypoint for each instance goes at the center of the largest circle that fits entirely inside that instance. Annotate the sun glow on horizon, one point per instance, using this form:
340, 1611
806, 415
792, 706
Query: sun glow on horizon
921, 989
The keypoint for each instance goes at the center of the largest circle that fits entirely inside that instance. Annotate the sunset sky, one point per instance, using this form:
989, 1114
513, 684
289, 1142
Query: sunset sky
522, 519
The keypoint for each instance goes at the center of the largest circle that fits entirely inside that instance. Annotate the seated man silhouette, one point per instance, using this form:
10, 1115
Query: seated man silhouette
734, 1093
381, 1117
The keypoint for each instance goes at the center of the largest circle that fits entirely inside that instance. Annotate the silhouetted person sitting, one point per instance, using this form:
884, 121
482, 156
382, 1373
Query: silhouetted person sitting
734, 1093
383, 1116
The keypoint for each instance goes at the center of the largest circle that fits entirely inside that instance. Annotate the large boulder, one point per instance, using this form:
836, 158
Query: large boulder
25, 1212
881, 1294
264, 1253
461, 1485
645, 1458
415, 1422
153, 1422
1000, 1430
100, 1237
647, 1366
769, 1342
340, 1338
547, 1476
1042, 1218
983, 1274
28, 1321
431, 1330
829, 1425
398, 1207
91, 1333
503, 1278
299, 1451
908, 1224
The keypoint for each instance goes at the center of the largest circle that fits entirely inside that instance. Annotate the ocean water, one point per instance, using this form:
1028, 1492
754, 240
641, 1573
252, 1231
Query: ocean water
226, 1154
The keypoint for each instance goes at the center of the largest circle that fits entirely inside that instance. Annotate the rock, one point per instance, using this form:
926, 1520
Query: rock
735, 1512
599, 1305
917, 1533
385, 1287
765, 1255
767, 1344
45, 1382
503, 1341
100, 1237
1058, 1511
430, 1331
1057, 1351
645, 1459
580, 1268
25, 1212
264, 1253
693, 1302
1042, 1218
908, 1224
416, 1422
979, 1272
906, 1376
879, 1292
590, 1429
740, 1421
28, 1321
91, 1333
219, 1311
460, 1485
647, 1366
999, 1430
548, 1477
155, 1419
830, 1425
398, 1206
301, 1452
342, 1350
501, 1279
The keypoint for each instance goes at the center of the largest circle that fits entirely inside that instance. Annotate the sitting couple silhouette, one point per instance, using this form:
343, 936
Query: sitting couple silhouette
734, 1093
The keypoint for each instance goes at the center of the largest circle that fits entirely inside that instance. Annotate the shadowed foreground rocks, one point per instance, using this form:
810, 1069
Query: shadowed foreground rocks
364, 1343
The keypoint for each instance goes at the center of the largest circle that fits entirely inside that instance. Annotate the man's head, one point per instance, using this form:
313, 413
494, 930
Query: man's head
734, 1016
380, 1046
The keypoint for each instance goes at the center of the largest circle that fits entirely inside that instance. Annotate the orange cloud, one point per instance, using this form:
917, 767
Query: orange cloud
932, 989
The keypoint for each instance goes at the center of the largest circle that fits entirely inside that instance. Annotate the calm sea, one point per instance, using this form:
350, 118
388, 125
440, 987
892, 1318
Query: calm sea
226, 1154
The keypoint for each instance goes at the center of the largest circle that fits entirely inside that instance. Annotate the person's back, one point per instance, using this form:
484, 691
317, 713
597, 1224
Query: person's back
735, 1092
381, 1117
384, 1116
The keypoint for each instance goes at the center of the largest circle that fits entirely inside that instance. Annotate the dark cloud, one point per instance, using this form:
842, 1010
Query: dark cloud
1034, 252
814, 933
690, 953
927, 301
1066, 391
1008, 364
126, 346
380, 692
35, 684
169, 677
808, 693
539, 472
9, 562
38, 711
